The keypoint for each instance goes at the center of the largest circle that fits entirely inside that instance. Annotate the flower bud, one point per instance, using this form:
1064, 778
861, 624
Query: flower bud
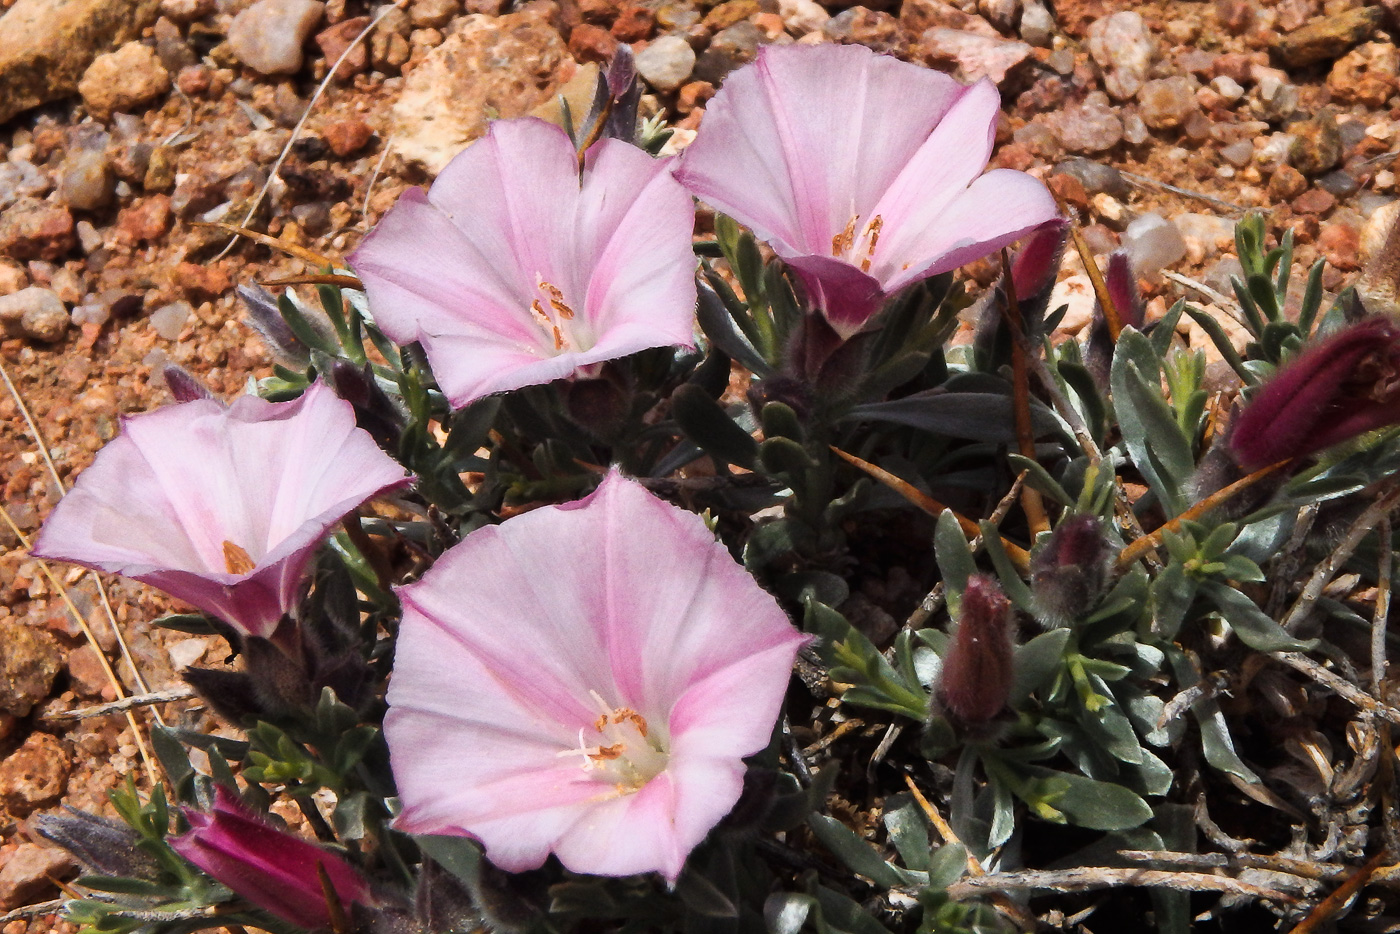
1127, 302
185, 386
266, 319
1068, 572
270, 868
977, 670
1336, 389
104, 847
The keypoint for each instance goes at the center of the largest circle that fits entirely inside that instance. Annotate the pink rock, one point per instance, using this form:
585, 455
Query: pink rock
975, 56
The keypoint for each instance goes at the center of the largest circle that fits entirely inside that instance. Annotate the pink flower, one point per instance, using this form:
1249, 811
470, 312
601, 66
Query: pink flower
584, 680
269, 867
221, 507
977, 671
864, 173
514, 270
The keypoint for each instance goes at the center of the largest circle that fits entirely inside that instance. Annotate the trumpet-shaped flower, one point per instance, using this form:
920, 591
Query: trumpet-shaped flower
1336, 389
864, 173
221, 507
516, 269
269, 867
594, 695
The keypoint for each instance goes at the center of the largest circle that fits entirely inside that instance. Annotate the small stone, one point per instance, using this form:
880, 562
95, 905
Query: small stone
804, 16
735, 46
634, 23
874, 29
160, 170
1278, 100
335, 40
28, 874
202, 283
12, 277
1206, 235
169, 320
146, 220
1238, 154
34, 229
1037, 25
268, 35
36, 306
1134, 129
45, 319
186, 11
1153, 242
1096, 177
1365, 75
1329, 37
85, 179
1235, 16
34, 776
1314, 201
1317, 146
1088, 127
347, 136
666, 63
86, 676
1340, 184
1068, 190
123, 80
1166, 103
1110, 211
433, 14
590, 43
730, 12
1002, 14
1286, 184
1227, 87
973, 56
1122, 47
917, 16
1341, 244
694, 95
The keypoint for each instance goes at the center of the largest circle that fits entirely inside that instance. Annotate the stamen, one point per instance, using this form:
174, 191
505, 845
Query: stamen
843, 241
873, 233
236, 560
559, 311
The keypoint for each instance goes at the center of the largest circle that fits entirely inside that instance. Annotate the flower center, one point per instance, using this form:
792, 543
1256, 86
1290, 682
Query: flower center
618, 749
553, 314
856, 245
236, 559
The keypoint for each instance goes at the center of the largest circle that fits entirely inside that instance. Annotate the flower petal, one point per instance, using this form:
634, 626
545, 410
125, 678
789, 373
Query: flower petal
806, 138
847, 296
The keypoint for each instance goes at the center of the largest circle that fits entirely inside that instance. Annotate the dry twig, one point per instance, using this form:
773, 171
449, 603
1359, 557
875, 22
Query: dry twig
126, 703
1090, 879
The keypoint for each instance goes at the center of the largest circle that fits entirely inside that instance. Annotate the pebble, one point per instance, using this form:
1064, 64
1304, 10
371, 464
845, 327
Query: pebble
974, 56
19, 178
34, 229
1340, 183
1227, 87
1167, 103
1037, 25
86, 675
1286, 184
29, 872
876, 30
169, 320
145, 220
124, 80
34, 776
666, 63
433, 14
590, 43
187, 11
1277, 99
1153, 242
1088, 127
1238, 154
735, 46
32, 309
800, 16
729, 13
1111, 212
1134, 129
1122, 47
1329, 37
1096, 177
1365, 75
1205, 235
347, 136
1317, 147
634, 23
1314, 201
1341, 244
268, 35
12, 277
86, 181
334, 42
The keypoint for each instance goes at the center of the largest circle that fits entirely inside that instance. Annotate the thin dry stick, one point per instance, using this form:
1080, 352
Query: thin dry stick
1381, 617
1304, 869
1103, 877
1325, 571
1335, 902
92, 575
32, 911
296, 130
1096, 279
126, 703
92, 640
1142, 545
1338, 685
1220, 300
1141, 180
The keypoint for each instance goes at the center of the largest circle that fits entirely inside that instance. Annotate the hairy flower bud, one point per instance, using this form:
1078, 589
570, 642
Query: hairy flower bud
1336, 389
104, 847
1127, 302
1068, 572
269, 867
977, 670
184, 385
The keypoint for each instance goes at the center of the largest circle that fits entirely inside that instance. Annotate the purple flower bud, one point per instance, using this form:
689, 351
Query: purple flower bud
1336, 389
1068, 572
185, 386
104, 847
267, 320
269, 867
1127, 302
1034, 268
977, 670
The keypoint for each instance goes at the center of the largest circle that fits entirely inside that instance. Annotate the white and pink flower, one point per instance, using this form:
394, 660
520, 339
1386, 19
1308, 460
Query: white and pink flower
595, 695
